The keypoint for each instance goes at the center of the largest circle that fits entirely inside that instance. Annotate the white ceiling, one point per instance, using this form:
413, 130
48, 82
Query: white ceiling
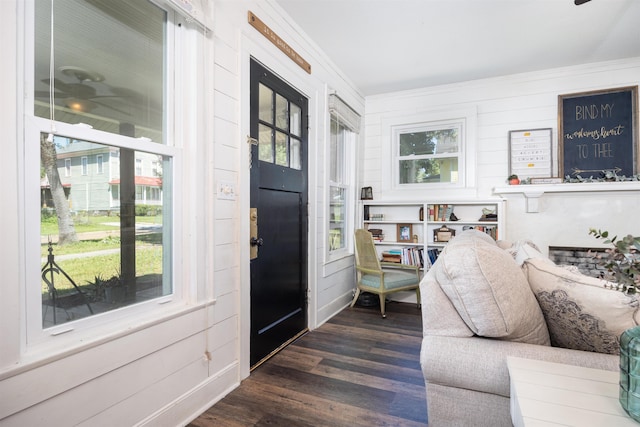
391, 45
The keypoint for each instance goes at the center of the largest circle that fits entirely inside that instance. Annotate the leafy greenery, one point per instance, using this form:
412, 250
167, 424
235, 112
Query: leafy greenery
622, 260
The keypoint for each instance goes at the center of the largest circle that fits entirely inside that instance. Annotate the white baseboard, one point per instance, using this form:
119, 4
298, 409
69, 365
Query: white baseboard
190, 405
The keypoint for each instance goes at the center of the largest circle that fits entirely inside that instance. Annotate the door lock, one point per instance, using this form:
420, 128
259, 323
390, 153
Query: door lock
253, 232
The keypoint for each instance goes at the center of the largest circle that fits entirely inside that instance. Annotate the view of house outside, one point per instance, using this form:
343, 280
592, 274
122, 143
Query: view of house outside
113, 260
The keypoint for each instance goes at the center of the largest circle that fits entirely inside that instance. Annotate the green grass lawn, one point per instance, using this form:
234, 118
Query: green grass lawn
84, 269
83, 223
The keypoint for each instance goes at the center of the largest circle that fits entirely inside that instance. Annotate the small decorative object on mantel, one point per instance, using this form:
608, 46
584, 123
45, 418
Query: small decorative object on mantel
550, 180
622, 262
513, 179
366, 193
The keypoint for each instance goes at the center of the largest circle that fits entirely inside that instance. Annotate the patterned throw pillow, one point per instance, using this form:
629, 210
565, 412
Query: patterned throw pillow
580, 312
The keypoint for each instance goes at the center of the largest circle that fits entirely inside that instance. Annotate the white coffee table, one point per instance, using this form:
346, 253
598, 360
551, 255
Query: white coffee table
550, 394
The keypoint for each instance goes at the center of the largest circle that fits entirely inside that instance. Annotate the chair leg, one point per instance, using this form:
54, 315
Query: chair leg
382, 309
418, 297
355, 297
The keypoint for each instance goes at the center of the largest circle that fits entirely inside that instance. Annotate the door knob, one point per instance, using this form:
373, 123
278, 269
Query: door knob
256, 242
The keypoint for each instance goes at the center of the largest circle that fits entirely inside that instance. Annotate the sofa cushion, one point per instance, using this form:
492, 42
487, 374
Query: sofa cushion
489, 290
439, 316
580, 312
392, 279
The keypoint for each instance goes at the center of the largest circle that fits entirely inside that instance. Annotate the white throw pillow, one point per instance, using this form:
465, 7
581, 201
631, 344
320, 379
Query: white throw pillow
489, 291
580, 312
522, 250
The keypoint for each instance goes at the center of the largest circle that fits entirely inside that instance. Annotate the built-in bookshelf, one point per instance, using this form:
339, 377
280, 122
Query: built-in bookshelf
415, 233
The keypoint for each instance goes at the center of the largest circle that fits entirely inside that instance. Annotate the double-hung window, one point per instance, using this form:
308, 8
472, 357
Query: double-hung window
344, 127
428, 153
100, 93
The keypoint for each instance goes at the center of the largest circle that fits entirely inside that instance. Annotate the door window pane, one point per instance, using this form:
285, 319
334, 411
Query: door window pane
109, 65
295, 153
282, 149
265, 104
102, 249
280, 125
265, 144
296, 120
282, 112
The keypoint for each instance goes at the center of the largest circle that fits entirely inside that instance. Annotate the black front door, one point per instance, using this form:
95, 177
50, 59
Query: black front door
279, 202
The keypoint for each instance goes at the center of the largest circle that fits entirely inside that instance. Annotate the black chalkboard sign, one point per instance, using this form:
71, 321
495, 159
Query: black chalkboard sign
598, 132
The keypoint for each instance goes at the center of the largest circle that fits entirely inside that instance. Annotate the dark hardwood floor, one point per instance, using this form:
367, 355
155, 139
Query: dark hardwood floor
357, 369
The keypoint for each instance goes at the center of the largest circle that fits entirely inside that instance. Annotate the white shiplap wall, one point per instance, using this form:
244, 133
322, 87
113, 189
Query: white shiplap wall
164, 371
523, 101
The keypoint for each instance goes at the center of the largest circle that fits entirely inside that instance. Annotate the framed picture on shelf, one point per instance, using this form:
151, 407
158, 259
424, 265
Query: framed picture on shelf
405, 233
366, 193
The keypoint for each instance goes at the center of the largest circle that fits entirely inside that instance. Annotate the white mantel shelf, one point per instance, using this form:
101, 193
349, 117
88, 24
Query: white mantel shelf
533, 192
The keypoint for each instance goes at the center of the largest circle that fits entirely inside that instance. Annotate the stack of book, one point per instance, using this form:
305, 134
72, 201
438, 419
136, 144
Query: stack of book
393, 255
377, 234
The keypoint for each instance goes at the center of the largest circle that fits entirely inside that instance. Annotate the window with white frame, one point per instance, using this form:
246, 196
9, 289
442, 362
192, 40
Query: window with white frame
428, 153
85, 165
99, 164
118, 94
344, 127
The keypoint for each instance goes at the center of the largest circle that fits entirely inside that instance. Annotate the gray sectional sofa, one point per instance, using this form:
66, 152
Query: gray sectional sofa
483, 301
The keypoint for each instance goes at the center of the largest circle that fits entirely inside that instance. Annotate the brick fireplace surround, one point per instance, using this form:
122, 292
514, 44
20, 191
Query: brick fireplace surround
582, 258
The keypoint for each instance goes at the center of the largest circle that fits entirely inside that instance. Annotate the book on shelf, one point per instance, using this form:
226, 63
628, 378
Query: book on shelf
440, 212
433, 255
408, 256
491, 230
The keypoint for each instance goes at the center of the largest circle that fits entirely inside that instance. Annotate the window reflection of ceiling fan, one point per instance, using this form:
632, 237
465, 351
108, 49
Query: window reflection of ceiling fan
82, 96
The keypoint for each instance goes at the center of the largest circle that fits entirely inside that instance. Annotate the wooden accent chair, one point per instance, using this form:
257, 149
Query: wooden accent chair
381, 278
